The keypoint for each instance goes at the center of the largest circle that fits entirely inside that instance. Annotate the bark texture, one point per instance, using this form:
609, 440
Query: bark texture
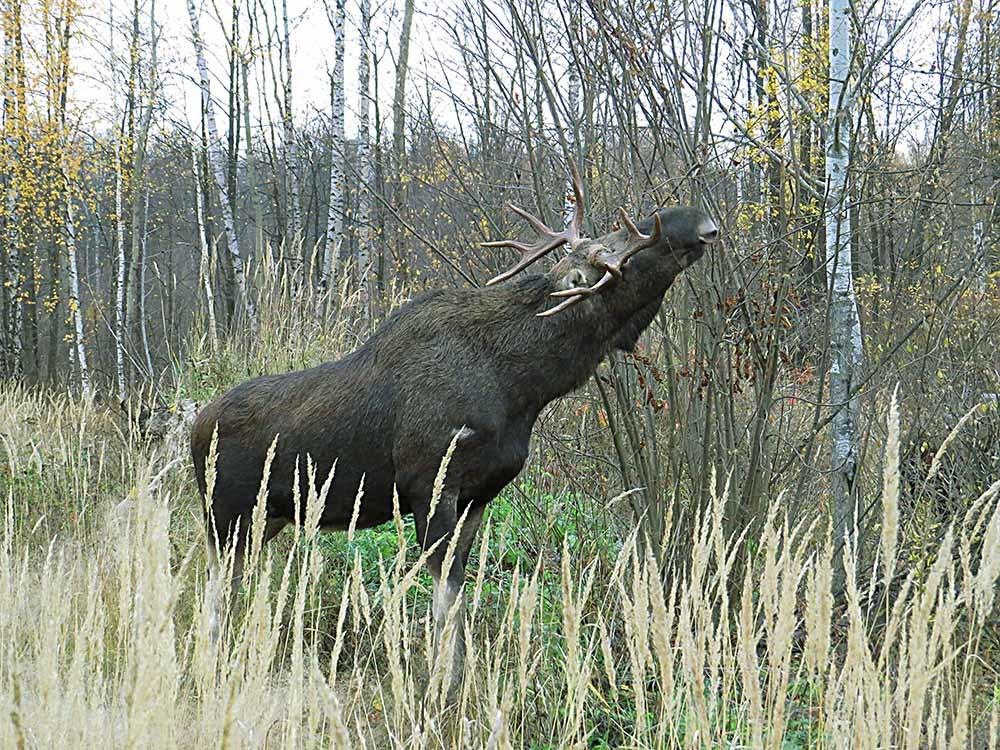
218, 170
846, 357
366, 168
335, 212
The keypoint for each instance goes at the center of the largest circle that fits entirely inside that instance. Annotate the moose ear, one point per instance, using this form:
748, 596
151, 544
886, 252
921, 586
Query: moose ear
573, 278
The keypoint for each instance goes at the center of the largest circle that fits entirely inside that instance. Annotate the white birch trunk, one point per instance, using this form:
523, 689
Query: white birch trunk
203, 270
120, 290
289, 134
979, 243
845, 326
258, 213
143, 246
12, 277
335, 212
402, 253
569, 202
138, 252
366, 169
74, 299
12, 287
219, 171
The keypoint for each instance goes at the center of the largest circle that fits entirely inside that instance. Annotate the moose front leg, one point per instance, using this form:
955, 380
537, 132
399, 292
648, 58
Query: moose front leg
448, 576
448, 585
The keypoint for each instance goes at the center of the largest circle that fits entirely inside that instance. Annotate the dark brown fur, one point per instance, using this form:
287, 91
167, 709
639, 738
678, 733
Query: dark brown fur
474, 358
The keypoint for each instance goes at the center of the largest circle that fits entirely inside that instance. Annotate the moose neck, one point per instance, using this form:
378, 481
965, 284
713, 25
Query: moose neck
571, 344
633, 302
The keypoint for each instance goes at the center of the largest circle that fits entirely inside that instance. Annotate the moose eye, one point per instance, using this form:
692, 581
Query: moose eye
575, 278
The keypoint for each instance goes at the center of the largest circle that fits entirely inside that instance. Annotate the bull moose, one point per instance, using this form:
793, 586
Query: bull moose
473, 366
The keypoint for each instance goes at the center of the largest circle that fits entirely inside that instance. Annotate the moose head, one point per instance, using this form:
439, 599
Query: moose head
661, 247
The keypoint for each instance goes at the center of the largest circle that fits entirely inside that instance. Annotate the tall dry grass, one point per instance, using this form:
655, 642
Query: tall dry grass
104, 642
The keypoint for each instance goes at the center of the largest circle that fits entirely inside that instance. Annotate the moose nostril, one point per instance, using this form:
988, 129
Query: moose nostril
709, 234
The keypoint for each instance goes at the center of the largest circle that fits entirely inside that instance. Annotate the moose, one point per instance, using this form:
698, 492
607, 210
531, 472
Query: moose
465, 368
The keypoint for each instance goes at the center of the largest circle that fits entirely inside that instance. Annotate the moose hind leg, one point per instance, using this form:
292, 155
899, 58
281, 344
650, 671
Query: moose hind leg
221, 594
216, 591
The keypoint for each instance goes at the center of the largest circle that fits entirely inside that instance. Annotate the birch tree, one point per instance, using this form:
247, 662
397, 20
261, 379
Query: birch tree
70, 171
846, 357
74, 296
335, 212
288, 152
13, 112
141, 284
218, 169
120, 291
399, 132
135, 308
258, 212
203, 265
366, 169
120, 377
572, 123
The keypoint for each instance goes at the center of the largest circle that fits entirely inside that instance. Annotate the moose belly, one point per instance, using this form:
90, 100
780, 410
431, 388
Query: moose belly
365, 484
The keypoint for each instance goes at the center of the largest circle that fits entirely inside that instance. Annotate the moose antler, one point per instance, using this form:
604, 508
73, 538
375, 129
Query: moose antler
612, 264
636, 241
549, 239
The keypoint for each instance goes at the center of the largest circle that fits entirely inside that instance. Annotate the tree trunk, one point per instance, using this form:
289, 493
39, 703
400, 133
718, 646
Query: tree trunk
13, 95
773, 198
288, 151
58, 63
991, 27
120, 372
846, 357
233, 109
366, 170
950, 99
258, 213
230, 291
119, 231
74, 298
203, 265
335, 212
130, 182
12, 287
399, 139
135, 306
218, 170
572, 127
806, 234
141, 297
377, 217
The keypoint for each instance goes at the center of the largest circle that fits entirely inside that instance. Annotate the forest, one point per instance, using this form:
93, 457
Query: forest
775, 523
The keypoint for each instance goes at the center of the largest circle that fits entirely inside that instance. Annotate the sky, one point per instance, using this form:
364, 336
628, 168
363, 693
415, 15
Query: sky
313, 53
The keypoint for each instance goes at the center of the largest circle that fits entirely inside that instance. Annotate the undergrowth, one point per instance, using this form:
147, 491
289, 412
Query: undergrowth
572, 643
